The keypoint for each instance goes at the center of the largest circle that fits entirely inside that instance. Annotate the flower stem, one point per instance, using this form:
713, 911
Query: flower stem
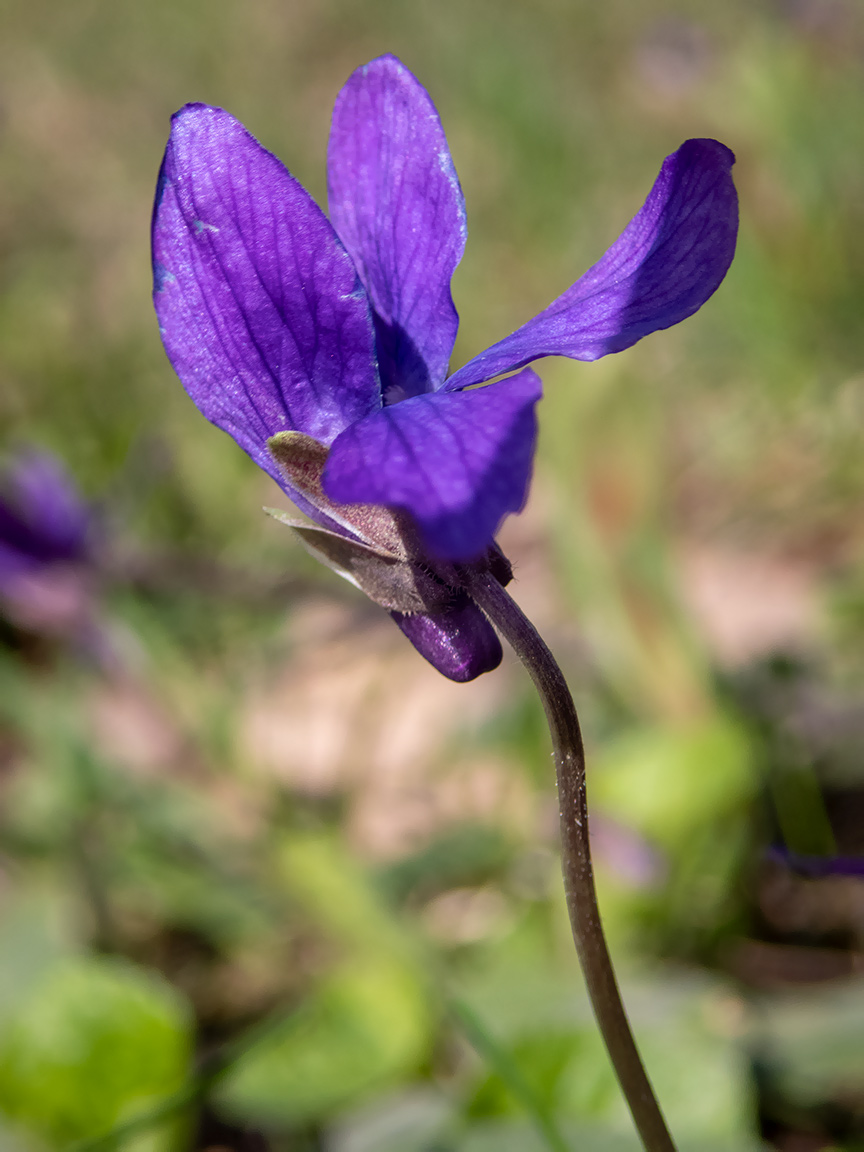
585, 921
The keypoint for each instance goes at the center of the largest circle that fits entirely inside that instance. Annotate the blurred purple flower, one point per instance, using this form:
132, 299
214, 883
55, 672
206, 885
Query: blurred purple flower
816, 867
277, 320
45, 531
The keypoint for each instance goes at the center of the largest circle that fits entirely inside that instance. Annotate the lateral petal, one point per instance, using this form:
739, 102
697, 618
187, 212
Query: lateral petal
396, 203
458, 462
667, 262
260, 307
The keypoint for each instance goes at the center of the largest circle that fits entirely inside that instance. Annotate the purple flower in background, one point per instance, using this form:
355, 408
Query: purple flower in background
323, 347
816, 867
45, 533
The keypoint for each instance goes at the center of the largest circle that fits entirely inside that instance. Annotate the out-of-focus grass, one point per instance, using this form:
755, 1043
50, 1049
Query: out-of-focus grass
267, 800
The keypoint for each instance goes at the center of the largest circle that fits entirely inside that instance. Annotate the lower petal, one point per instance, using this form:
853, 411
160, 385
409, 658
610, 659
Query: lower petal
458, 462
460, 642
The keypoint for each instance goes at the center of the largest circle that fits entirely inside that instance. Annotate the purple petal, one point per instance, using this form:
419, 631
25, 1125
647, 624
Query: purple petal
457, 461
663, 267
460, 642
261, 310
396, 203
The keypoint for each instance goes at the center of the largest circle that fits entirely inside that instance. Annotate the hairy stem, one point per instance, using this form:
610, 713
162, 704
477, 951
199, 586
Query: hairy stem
591, 947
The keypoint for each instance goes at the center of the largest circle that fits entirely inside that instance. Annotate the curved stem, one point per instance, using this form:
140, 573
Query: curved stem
594, 957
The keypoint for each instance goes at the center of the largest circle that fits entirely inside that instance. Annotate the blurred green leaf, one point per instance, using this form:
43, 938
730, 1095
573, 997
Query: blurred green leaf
528, 1083
367, 1025
36, 931
417, 1119
463, 856
516, 1136
92, 1042
686, 1026
668, 780
335, 892
811, 1039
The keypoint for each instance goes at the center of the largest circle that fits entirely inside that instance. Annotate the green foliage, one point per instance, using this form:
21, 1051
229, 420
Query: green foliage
365, 1024
812, 1040
681, 1019
364, 1028
670, 782
94, 1041
462, 856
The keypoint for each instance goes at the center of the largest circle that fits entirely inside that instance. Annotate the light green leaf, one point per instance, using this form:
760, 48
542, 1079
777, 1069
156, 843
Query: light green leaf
366, 1026
667, 781
93, 1041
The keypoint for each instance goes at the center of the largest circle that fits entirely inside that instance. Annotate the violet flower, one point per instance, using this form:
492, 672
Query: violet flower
323, 346
45, 536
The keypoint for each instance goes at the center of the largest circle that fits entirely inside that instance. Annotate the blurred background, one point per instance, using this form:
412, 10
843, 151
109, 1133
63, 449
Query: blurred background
266, 879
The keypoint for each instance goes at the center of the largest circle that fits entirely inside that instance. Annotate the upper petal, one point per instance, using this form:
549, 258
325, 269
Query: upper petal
396, 203
458, 462
260, 307
665, 264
